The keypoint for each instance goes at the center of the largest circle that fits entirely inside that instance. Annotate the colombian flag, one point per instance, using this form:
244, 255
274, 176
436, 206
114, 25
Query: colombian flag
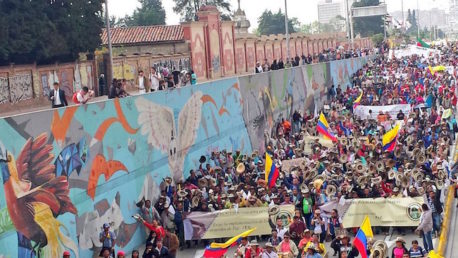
272, 172
389, 139
219, 249
364, 232
323, 128
357, 100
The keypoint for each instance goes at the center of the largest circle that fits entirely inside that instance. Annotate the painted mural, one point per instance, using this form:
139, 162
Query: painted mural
20, 87
67, 171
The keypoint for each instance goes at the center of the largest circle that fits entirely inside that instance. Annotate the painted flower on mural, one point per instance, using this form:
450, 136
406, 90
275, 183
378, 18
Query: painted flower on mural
35, 197
158, 124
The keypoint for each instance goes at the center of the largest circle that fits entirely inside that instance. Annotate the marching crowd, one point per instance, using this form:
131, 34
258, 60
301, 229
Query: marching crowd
325, 55
355, 166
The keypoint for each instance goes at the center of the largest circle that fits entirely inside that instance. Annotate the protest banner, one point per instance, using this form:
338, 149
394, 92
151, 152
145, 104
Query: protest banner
230, 222
289, 164
393, 110
395, 212
310, 140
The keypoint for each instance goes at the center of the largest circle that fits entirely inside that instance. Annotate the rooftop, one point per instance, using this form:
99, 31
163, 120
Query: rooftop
144, 34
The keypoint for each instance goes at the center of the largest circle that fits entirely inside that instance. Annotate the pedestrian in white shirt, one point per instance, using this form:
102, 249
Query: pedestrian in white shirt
154, 79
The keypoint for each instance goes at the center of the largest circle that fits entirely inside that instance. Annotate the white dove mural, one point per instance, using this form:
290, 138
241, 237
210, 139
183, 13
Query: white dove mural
157, 122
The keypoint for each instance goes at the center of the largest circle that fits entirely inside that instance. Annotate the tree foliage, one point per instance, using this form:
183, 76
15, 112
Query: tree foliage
274, 23
48, 31
412, 20
188, 8
150, 12
367, 26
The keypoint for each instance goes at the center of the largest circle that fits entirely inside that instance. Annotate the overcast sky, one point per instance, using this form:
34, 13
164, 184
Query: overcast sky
304, 10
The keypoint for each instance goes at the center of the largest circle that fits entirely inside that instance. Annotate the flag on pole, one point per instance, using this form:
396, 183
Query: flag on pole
272, 172
421, 43
215, 250
364, 232
323, 128
389, 139
357, 100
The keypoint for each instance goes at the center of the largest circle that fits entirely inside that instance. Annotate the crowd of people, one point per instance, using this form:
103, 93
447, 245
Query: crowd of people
353, 167
156, 80
325, 55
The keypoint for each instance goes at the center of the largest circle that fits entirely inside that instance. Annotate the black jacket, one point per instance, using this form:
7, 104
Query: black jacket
63, 99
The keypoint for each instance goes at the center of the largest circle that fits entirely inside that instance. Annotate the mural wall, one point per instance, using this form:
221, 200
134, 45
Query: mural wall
67, 171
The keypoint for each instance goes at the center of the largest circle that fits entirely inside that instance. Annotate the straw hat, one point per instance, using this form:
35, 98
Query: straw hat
273, 210
399, 239
331, 190
240, 168
202, 182
182, 193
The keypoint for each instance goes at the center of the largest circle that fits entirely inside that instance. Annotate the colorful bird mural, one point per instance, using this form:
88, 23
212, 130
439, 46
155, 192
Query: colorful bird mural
35, 197
71, 158
157, 122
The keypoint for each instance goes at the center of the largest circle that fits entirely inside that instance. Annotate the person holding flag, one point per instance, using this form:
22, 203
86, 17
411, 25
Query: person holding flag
364, 232
219, 249
357, 100
272, 172
389, 139
323, 128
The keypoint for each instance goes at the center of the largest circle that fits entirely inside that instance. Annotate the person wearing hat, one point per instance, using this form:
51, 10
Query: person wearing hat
312, 252
306, 238
343, 245
269, 251
320, 248
121, 254
254, 251
287, 246
108, 239
66, 254
400, 249
306, 203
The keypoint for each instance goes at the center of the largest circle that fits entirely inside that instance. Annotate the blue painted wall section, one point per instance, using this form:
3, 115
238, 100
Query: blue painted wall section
68, 171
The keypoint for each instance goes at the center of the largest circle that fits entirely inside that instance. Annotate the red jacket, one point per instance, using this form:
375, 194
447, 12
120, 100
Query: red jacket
160, 232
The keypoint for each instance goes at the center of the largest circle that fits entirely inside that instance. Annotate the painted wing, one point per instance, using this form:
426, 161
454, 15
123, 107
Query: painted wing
188, 125
100, 166
34, 163
157, 122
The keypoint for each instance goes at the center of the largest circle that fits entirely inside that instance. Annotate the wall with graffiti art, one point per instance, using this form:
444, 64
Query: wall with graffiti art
65, 172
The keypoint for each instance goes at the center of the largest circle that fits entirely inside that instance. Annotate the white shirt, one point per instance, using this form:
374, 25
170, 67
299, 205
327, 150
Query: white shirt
269, 255
281, 232
82, 98
57, 98
154, 82
141, 84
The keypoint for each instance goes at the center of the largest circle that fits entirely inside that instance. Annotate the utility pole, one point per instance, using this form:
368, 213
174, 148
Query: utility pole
287, 31
107, 17
402, 12
418, 20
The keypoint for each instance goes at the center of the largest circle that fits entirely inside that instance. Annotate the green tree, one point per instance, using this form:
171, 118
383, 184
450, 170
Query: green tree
377, 39
274, 23
188, 8
48, 31
150, 12
367, 26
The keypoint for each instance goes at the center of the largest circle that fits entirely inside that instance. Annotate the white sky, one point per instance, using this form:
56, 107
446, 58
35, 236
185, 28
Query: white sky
304, 10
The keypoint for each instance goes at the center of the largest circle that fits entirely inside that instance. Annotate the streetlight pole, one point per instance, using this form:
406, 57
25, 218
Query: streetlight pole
110, 50
418, 20
287, 31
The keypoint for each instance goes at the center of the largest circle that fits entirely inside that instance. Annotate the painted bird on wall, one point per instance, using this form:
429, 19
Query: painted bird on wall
35, 197
157, 122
